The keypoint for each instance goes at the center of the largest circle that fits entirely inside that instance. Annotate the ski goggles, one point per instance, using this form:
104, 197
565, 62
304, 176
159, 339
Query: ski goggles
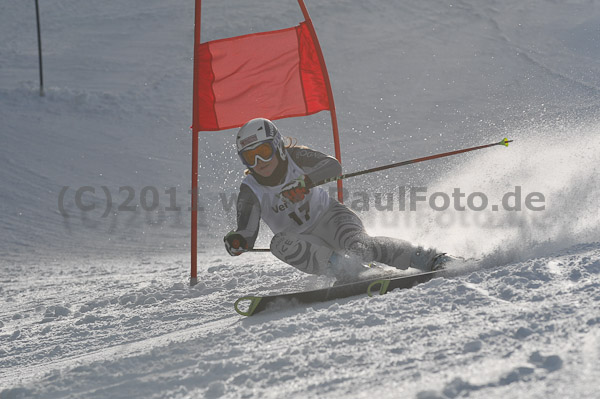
263, 151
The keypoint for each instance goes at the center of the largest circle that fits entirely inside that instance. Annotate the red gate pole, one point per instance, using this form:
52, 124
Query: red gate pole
195, 124
336, 137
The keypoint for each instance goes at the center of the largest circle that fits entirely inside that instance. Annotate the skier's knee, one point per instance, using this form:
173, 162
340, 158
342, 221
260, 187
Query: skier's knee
301, 253
279, 242
285, 244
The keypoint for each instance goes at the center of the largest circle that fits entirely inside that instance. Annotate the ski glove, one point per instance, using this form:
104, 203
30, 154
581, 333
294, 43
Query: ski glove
235, 243
297, 189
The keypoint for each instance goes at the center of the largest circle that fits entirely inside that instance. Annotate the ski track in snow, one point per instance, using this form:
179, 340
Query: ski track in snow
494, 331
98, 305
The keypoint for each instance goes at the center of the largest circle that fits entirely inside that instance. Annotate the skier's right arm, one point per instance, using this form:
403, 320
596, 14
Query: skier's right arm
248, 223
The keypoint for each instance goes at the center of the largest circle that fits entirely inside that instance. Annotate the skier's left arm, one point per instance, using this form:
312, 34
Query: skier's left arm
317, 167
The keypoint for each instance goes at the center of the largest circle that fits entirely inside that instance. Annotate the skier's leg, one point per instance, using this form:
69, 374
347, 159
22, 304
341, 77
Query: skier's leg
343, 230
308, 254
312, 255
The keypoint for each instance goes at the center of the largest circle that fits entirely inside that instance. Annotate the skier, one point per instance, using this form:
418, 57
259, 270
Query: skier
313, 232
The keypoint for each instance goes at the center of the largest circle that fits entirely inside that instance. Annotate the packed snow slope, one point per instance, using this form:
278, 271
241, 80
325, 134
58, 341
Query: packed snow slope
94, 237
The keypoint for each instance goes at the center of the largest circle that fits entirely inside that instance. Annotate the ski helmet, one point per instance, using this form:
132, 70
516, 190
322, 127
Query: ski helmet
259, 139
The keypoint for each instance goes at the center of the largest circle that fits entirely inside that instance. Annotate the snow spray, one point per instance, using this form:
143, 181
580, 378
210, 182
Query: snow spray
557, 162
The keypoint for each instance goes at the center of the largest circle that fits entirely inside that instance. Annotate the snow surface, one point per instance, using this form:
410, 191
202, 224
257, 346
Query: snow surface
97, 304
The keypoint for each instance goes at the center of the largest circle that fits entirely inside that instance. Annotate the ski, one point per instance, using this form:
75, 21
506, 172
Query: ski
370, 287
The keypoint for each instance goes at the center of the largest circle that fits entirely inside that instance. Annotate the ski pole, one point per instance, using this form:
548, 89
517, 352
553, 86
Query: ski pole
504, 142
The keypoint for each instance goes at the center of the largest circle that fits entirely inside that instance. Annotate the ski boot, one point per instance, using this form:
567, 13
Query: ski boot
430, 260
442, 261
